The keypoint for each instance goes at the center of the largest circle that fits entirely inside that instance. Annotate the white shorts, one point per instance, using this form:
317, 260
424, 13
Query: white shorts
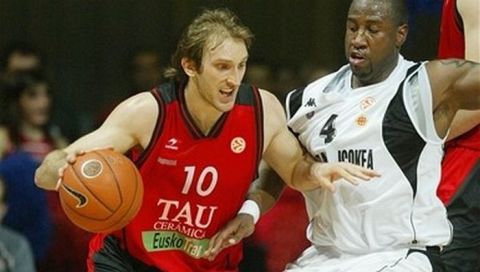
388, 261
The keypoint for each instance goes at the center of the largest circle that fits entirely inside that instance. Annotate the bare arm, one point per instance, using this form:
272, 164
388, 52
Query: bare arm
455, 86
132, 122
285, 155
469, 10
463, 122
266, 189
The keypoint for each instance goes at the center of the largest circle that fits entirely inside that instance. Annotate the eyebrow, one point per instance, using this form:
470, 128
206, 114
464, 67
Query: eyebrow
229, 60
370, 19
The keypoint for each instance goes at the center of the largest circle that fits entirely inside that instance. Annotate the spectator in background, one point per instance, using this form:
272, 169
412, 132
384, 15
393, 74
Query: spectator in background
15, 252
20, 56
27, 104
260, 74
309, 72
145, 72
28, 212
459, 187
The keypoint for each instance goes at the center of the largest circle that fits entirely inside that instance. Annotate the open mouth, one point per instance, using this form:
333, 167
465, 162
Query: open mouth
227, 93
356, 58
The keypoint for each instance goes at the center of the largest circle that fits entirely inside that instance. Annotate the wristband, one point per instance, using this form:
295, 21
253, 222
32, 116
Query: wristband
250, 207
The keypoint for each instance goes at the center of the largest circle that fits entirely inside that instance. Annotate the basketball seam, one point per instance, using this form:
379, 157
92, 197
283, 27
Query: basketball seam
115, 176
127, 213
79, 180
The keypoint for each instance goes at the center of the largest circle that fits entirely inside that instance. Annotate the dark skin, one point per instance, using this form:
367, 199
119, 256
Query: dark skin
373, 40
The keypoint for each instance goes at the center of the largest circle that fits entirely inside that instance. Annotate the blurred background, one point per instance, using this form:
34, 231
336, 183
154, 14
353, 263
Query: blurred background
88, 45
95, 53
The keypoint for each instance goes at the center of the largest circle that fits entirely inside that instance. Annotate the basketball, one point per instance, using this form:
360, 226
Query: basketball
102, 191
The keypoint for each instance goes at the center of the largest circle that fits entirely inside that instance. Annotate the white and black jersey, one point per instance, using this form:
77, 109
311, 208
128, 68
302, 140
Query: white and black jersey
387, 127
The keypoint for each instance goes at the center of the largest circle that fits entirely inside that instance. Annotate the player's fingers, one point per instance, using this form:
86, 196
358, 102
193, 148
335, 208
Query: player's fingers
235, 238
359, 171
103, 147
211, 244
220, 240
217, 241
342, 171
327, 184
72, 157
61, 170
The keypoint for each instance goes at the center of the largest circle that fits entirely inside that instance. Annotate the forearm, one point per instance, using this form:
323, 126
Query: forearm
266, 190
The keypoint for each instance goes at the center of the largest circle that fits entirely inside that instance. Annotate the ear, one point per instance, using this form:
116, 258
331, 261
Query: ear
402, 32
189, 67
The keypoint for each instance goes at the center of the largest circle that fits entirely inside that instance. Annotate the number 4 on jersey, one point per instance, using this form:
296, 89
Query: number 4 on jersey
328, 131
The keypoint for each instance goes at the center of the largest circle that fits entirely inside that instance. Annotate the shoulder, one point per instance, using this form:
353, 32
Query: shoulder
139, 103
302, 95
271, 104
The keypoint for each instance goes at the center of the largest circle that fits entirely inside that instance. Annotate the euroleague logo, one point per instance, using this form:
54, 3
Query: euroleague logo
238, 145
361, 120
91, 168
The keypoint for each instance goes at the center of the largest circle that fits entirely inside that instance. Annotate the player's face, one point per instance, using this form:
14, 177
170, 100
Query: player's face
372, 41
35, 105
221, 73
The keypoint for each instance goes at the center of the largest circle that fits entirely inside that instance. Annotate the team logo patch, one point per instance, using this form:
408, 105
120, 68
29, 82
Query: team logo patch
172, 144
92, 168
361, 120
238, 145
366, 103
311, 103
310, 114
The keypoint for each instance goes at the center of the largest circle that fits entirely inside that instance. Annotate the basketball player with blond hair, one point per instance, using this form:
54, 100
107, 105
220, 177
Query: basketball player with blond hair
203, 134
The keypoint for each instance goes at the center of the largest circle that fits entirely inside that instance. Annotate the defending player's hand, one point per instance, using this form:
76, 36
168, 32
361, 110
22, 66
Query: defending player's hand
238, 228
327, 173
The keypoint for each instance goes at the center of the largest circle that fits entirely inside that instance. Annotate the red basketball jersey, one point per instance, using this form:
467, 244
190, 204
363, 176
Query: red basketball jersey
452, 40
194, 183
462, 152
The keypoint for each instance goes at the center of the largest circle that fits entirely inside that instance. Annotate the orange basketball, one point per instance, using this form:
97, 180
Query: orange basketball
102, 191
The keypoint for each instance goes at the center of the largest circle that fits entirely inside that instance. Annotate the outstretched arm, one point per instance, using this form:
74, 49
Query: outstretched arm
265, 192
469, 10
455, 86
131, 123
285, 155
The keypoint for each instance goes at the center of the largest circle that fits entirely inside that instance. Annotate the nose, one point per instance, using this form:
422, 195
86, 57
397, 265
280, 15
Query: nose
235, 78
358, 39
